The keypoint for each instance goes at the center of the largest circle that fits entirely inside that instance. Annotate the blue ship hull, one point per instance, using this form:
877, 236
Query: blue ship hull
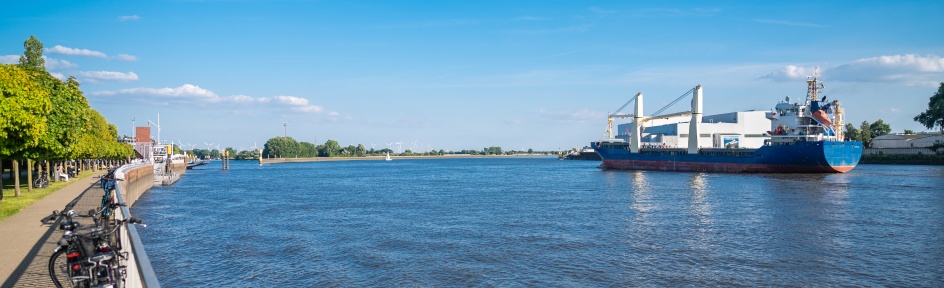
798, 157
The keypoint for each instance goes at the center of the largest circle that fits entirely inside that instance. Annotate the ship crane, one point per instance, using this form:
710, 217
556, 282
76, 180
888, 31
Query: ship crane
608, 134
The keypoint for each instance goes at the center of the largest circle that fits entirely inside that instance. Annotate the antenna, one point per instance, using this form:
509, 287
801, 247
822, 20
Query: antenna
158, 127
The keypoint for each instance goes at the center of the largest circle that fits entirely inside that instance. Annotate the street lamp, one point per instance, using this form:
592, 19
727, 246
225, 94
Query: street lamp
286, 129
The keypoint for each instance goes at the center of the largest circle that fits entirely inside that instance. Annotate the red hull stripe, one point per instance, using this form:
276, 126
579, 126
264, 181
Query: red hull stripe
720, 167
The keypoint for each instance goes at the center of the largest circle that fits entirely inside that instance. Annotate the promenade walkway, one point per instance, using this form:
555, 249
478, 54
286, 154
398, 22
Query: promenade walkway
26, 243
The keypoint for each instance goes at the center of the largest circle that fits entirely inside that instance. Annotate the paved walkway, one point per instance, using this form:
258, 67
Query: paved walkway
26, 244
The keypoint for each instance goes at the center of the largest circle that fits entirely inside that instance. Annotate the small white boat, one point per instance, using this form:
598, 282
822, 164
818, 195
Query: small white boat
388, 156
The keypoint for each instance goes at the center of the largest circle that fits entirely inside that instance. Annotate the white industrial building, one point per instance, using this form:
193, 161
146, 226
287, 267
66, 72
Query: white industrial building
745, 129
920, 140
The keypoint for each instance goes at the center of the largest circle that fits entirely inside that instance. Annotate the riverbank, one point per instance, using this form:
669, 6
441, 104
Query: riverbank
393, 158
903, 159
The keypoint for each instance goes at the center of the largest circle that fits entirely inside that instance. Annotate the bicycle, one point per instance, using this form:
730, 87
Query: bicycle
107, 209
89, 261
41, 181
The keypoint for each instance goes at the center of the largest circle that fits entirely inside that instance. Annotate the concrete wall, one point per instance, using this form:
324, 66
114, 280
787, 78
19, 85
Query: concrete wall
179, 168
138, 178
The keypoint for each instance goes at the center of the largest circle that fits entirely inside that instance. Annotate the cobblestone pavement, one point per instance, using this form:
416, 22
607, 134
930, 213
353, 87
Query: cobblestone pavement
36, 273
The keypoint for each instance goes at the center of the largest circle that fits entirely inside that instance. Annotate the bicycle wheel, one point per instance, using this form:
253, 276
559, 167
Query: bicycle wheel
60, 272
58, 268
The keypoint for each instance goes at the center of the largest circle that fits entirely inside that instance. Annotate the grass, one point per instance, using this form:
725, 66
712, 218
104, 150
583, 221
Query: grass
12, 204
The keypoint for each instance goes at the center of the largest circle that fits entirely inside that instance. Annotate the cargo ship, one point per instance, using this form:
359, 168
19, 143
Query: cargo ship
804, 137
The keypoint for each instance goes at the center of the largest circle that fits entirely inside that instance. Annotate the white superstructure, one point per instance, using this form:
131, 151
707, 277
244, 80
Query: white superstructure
745, 129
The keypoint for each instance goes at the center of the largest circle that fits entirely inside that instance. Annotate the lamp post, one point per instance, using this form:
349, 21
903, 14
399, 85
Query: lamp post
286, 129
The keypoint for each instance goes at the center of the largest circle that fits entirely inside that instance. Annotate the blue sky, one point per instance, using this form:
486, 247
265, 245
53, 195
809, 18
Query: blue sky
457, 75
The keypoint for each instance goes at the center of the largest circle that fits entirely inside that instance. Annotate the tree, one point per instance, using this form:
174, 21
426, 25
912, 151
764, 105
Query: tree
66, 121
285, 147
307, 149
852, 134
360, 150
231, 152
32, 58
865, 134
909, 132
934, 116
879, 128
331, 148
23, 109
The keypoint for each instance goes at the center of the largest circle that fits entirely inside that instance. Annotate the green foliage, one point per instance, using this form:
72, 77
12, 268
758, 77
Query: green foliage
66, 120
32, 58
865, 134
247, 155
934, 116
280, 147
331, 148
23, 108
879, 128
852, 133
231, 152
493, 150
909, 132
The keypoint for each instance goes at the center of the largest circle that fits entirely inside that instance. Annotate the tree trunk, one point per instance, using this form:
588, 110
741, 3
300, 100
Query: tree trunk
16, 178
1, 180
29, 175
48, 172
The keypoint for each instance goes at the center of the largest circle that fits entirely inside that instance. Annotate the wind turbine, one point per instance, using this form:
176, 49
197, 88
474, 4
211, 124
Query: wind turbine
399, 146
414, 145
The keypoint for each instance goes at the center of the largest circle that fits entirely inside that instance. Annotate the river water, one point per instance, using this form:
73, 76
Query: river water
542, 222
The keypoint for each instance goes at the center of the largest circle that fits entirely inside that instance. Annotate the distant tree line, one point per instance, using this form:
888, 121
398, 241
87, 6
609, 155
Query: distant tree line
287, 147
47, 119
867, 131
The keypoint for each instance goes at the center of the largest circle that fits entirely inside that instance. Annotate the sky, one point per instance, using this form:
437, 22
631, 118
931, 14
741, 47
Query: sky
457, 75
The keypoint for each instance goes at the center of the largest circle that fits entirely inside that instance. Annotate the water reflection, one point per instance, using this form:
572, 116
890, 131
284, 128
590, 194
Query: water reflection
642, 202
700, 207
810, 220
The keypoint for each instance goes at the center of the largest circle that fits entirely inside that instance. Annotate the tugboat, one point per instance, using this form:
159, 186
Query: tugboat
805, 137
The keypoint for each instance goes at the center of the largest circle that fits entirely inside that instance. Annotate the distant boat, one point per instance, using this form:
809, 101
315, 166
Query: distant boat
388, 156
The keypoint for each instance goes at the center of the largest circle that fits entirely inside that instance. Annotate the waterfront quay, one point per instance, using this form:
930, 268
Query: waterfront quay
28, 243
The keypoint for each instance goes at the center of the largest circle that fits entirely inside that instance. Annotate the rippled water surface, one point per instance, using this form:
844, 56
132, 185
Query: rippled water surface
542, 222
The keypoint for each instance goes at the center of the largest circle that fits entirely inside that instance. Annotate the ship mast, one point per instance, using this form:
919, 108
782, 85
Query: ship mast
811, 89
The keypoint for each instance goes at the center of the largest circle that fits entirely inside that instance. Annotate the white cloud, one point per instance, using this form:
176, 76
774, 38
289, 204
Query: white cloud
109, 76
188, 92
126, 57
59, 76
10, 59
790, 73
908, 69
129, 18
55, 64
59, 49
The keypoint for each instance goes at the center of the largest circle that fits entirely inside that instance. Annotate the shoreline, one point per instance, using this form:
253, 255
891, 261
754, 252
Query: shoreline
263, 161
